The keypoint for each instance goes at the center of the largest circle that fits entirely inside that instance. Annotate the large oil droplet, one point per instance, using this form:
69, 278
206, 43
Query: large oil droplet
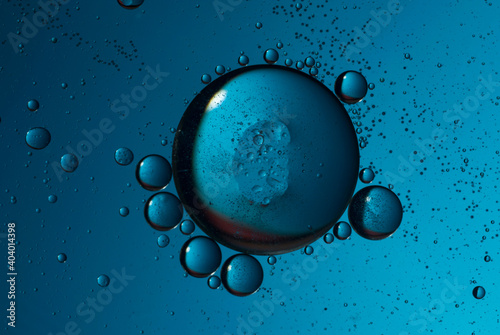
69, 162
153, 172
200, 256
242, 275
130, 4
240, 150
124, 156
163, 211
479, 292
375, 212
351, 87
38, 138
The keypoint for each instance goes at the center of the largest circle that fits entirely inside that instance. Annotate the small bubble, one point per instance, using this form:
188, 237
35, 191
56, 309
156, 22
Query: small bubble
328, 238
124, 156
200, 256
342, 230
206, 78
163, 241
308, 250
69, 162
271, 260
187, 227
271, 56
38, 138
213, 282
61, 258
258, 25
103, 280
163, 211
479, 292
33, 105
130, 4
124, 211
153, 172
52, 198
220, 70
243, 60
366, 175
242, 275
351, 87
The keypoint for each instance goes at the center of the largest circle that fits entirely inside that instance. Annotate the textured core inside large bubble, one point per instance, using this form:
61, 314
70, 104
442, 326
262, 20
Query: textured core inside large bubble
265, 159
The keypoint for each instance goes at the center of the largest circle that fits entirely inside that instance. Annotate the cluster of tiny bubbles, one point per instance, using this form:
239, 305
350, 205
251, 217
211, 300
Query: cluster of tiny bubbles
220, 70
351, 87
366, 175
103, 280
124, 211
33, 105
308, 250
163, 241
187, 227
479, 292
124, 156
242, 275
38, 138
69, 162
153, 172
206, 78
52, 198
61, 258
163, 211
271, 260
200, 256
213, 282
248, 149
375, 212
328, 238
130, 4
243, 60
271, 56
342, 230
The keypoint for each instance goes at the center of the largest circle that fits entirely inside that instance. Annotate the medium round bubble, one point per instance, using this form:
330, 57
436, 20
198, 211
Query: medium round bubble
124, 156
69, 162
288, 62
213, 282
52, 198
309, 61
61, 258
163, 211
479, 292
342, 230
103, 280
375, 212
124, 211
328, 238
187, 227
271, 260
271, 56
206, 78
243, 60
351, 87
200, 256
38, 138
33, 105
366, 175
153, 172
130, 4
242, 275
258, 25
220, 70
308, 250
239, 153
163, 241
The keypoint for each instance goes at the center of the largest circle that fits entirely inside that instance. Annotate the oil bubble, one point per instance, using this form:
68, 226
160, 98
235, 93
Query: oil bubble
124, 211
103, 280
163, 211
351, 87
271, 56
206, 78
61, 258
52, 198
33, 105
375, 212
238, 157
153, 172
200, 256
124, 156
163, 241
309, 61
328, 238
366, 175
342, 230
271, 260
213, 282
479, 292
308, 250
220, 70
38, 138
242, 275
187, 227
243, 60
69, 162
130, 4
258, 25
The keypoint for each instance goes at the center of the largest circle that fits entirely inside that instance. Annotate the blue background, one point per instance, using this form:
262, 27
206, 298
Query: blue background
418, 281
